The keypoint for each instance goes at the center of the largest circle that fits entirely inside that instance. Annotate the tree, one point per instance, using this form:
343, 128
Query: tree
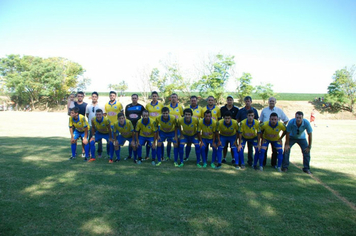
213, 82
342, 91
122, 87
265, 91
110, 86
244, 88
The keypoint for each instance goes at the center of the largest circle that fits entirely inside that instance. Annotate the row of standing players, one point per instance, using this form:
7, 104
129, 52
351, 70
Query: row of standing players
196, 125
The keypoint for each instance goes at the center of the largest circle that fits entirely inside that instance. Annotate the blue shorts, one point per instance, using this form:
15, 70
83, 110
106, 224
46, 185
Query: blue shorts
166, 136
122, 140
252, 140
99, 136
228, 139
142, 140
189, 139
78, 134
276, 144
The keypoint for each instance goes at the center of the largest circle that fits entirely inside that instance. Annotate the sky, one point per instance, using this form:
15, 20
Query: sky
294, 45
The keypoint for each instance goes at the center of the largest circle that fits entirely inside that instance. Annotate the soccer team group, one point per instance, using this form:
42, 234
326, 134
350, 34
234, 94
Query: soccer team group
206, 127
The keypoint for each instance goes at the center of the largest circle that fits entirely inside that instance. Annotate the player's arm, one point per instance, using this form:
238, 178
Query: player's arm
200, 139
85, 139
286, 145
93, 131
240, 140
259, 137
71, 131
310, 139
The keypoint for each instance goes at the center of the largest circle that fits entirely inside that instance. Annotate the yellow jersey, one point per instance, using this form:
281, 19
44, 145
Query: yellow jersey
146, 130
189, 129
207, 130
215, 112
167, 126
101, 126
247, 131
272, 133
227, 130
177, 111
80, 124
197, 112
154, 110
125, 130
112, 110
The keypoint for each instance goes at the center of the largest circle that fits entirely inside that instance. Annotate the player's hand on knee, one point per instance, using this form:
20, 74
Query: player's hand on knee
85, 141
239, 147
72, 140
286, 148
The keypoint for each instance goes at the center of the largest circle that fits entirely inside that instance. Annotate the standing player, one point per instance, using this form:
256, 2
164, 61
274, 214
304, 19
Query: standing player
123, 131
146, 129
133, 112
188, 126
249, 132
215, 111
271, 130
101, 128
154, 109
227, 133
78, 127
296, 134
207, 127
167, 130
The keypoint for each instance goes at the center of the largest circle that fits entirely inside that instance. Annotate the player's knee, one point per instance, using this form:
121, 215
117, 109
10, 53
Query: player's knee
279, 151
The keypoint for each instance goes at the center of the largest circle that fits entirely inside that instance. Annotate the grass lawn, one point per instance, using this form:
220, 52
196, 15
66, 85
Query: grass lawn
44, 193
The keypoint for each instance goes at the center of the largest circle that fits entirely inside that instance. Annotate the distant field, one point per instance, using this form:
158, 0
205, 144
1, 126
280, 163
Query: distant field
43, 193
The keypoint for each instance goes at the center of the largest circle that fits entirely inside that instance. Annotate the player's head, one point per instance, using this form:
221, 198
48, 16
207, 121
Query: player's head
193, 101
299, 117
99, 114
272, 102
121, 118
145, 114
230, 100
94, 97
174, 98
112, 96
154, 96
248, 101
207, 115
134, 98
211, 101
250, 115
227, 117
188, 113
273, 118
80, 96
74, 112
165, 112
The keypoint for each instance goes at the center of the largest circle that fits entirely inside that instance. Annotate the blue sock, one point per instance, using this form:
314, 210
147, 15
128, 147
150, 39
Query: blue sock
130, 150
148, 148
169, 148
139, 151
86, 148
73, 146
176, 150
239, 156
279, 157
111, 150
159, 153
197, 153
135, 154
92, 149
118, 153
203, 154
188, 148
262, 156
181, 152
219, 154
162, 150
255, 158
154, 153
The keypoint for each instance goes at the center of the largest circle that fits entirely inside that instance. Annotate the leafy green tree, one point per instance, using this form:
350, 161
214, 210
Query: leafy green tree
342, 91
265, 91
213, 82
122, 87
244, 88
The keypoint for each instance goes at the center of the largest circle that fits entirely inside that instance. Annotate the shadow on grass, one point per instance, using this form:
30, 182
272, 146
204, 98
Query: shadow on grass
44, 193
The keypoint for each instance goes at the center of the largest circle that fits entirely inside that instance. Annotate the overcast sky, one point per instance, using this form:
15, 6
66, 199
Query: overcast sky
295, 45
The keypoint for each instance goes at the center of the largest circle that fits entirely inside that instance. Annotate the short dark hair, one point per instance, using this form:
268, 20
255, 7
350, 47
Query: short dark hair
135, 94
247, 98
81, 92
95, 93
273, 114
299, 113
99, 110
174, 94
75, 109
154, 92
194, 97
227, 113
250, 112
188, 110
145, 111
211, 97
112, 92
165, 109
207, 112
120, 114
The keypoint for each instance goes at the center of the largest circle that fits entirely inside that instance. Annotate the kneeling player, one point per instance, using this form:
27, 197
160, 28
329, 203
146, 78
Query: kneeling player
207, 127
249, 132
102, 130
227, 133
167, 131
78, 127
271, 130
123, 131
188, 126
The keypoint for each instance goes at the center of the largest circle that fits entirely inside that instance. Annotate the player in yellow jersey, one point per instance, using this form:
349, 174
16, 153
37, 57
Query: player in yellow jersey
249, 132
227, 133
101, 128
146, 129
188, 126
78, 127
167, 130
206, 135
215, 111
123, 131
271, 130
112, 108
175, 109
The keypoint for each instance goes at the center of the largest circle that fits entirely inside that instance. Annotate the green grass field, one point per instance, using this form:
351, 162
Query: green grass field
43, 193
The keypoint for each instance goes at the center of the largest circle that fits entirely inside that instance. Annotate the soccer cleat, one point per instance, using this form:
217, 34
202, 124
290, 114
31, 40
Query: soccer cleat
223, 160
261, 168
99, 156
205, 165
242, 167
137, 162
116, 160
153, 163
92, 159
233, 161
71, 158
218, 166
158, 163
237, 167
307, 172
186, 159
199, 166
176, 164
127, 158
181, 165
110, 161
85, 158
83, 154
212, 165
279, 169
168, 159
